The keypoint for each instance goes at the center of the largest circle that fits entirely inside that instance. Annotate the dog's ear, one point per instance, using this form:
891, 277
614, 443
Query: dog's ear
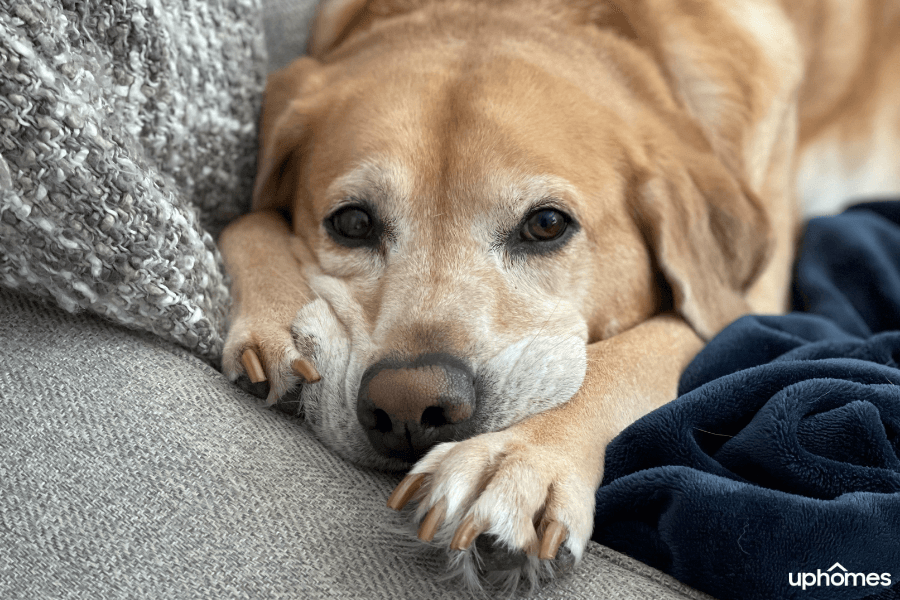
710, 237
698, 207
284, 130
739, 85
334, 19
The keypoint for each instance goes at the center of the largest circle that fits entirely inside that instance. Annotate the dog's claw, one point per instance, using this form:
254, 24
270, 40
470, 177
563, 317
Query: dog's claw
466, 534
554, 535
433, 521
305, 369
405, 490
252, 365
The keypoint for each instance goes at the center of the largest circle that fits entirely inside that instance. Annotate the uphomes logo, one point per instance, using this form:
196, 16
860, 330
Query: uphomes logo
837, 576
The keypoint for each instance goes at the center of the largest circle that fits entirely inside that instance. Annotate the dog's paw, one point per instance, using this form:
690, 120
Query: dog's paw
519, 499
283, 352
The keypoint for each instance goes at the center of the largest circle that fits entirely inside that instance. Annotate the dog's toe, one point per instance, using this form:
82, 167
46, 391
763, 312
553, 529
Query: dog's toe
510, 503
266, 353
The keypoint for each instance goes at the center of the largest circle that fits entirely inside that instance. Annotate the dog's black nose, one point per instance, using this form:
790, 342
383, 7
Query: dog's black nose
406, 407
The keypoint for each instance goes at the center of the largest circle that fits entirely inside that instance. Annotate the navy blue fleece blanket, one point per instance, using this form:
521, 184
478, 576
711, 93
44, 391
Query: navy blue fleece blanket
775, 474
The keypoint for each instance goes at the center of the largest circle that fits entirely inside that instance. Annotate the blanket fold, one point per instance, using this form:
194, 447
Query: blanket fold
776, 472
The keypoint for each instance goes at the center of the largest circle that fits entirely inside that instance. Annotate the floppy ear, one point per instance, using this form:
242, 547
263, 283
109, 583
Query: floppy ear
284, 130
710, 237
699, 210
736, 67
334, 20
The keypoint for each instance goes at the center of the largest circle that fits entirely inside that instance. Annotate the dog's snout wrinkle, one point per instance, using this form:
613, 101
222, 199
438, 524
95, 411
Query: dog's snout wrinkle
407, 407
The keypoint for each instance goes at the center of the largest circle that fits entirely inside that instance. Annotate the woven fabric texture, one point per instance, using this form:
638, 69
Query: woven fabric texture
129, 468
127, 141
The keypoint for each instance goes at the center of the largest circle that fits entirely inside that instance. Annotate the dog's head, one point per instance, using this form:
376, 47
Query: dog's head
478, 196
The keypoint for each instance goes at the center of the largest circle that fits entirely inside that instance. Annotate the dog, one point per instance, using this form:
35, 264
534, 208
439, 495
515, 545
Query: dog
488, 235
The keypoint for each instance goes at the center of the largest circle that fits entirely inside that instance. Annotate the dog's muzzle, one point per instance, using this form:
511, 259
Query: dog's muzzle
406, 407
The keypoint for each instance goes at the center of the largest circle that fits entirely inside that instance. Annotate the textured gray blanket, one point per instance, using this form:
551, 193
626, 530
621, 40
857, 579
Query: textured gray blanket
127, 141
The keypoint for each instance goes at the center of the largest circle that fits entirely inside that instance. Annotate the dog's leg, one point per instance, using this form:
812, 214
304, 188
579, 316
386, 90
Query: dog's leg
532, 485
264, 260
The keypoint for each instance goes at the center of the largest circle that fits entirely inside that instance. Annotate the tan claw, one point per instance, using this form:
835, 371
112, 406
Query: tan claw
306, 370
252, 366
554, 535
466, 534
433, 521
405, 490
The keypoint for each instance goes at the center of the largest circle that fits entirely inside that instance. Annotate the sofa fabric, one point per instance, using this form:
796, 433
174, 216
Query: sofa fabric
129, 468
127, 141
287, 29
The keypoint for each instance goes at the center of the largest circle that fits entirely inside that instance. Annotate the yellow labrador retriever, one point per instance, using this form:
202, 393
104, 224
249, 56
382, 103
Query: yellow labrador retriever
488, 235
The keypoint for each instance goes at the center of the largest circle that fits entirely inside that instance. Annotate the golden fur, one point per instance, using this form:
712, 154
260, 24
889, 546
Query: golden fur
671, 130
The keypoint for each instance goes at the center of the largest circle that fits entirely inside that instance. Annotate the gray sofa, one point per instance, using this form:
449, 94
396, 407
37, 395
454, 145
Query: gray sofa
131, 468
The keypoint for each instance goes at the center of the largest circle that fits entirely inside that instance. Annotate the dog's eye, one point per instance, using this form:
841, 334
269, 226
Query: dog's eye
544, 225
352, 223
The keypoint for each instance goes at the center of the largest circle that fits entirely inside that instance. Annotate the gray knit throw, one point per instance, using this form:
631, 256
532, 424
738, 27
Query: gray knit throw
127, 141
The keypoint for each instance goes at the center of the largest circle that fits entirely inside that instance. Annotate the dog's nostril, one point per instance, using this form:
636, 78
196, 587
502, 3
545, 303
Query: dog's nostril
406, 407
434, 417
383, 421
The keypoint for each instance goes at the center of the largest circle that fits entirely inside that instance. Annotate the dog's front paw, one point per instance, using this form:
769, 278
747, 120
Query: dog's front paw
507, 492
283, 352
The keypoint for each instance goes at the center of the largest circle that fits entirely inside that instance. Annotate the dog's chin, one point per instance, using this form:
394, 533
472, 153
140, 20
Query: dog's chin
373, 460
352, 445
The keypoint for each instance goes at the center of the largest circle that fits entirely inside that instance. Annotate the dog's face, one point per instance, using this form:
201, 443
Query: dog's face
468, 215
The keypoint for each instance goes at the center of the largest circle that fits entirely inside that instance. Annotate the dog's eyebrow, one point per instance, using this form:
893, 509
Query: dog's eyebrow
375, 180
519, 195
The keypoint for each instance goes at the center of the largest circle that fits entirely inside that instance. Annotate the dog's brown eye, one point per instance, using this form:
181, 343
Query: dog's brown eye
544, 225
352, 223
